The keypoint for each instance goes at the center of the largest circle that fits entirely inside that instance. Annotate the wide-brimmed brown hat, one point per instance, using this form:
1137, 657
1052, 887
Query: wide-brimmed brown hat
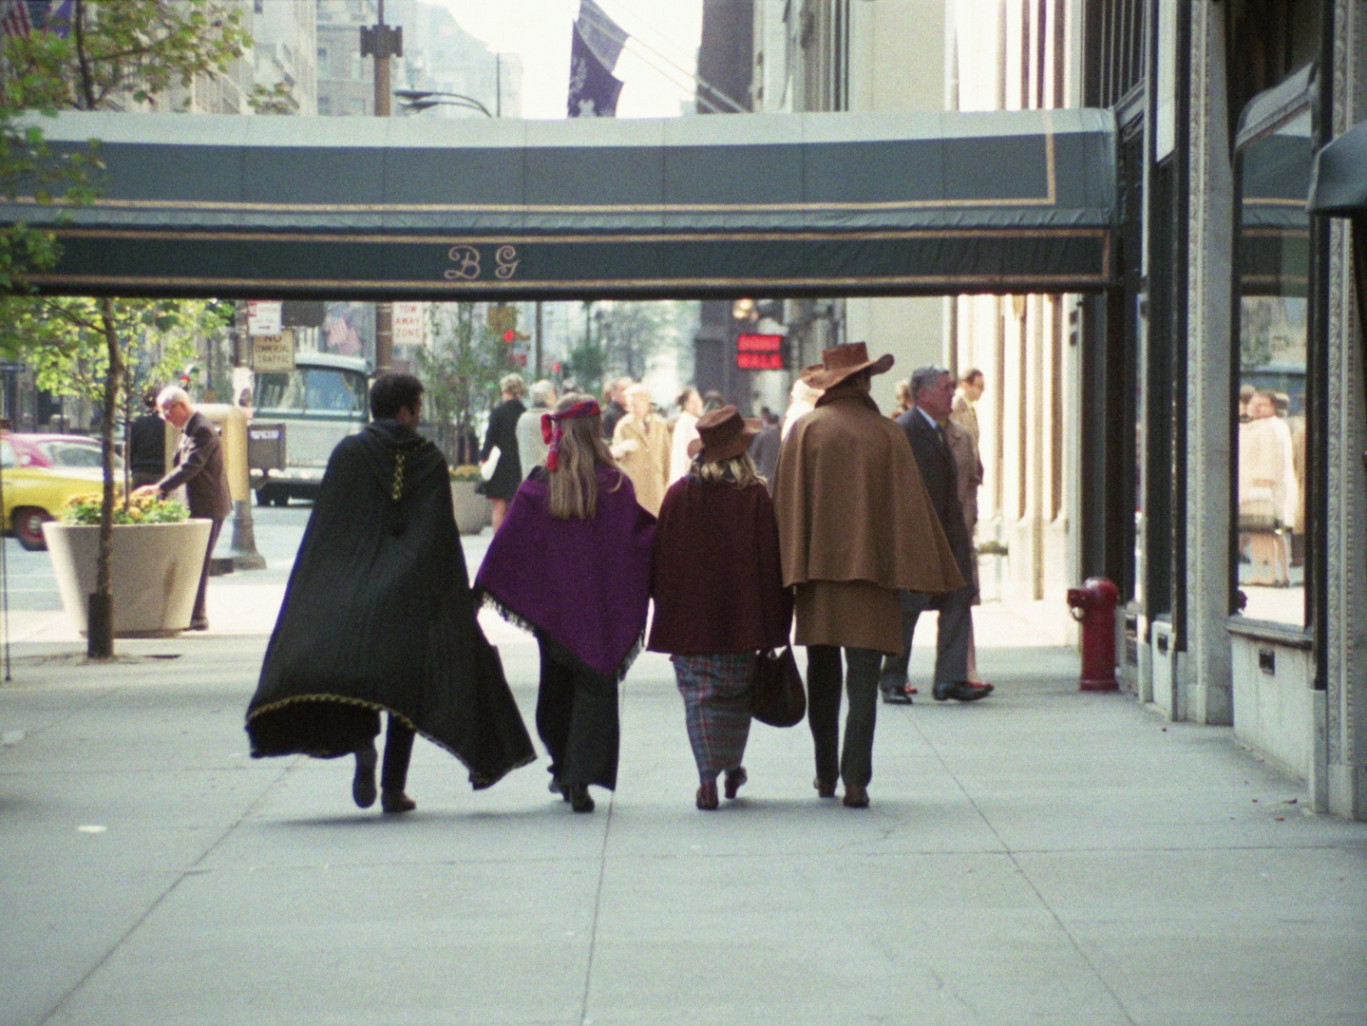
841, 362
723, 433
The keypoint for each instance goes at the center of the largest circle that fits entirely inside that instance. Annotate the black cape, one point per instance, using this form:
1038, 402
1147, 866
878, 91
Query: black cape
378, 615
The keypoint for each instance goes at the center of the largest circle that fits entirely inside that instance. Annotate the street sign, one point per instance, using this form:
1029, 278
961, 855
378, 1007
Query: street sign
759, 352
273, 353
264, 317
408, 323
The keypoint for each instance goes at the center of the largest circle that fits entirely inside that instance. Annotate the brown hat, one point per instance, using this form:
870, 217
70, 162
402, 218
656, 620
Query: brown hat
841, 362
722, 434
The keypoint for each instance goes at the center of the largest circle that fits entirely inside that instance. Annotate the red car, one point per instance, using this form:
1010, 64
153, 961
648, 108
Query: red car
41, 473
57, 451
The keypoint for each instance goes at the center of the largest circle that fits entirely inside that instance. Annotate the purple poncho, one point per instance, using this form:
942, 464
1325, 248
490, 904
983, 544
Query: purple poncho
584, 584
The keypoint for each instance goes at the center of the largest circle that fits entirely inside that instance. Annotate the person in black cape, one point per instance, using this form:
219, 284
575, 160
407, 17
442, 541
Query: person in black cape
378, 615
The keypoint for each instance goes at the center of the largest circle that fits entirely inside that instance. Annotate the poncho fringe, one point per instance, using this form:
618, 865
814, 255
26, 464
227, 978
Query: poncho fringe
563, 654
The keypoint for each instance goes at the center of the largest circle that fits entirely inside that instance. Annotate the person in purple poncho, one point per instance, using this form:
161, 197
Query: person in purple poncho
571, 563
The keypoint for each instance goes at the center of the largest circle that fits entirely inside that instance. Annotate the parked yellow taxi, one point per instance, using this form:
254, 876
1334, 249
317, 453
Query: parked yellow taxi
36, 488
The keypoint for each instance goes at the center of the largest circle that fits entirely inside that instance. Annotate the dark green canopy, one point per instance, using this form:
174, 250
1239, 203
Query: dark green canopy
1339, 186
703, 206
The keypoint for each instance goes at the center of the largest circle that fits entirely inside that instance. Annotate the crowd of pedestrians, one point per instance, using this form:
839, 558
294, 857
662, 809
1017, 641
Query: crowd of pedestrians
833, 528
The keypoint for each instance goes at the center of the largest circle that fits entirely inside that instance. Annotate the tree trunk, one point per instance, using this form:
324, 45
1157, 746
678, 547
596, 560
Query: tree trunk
100, 626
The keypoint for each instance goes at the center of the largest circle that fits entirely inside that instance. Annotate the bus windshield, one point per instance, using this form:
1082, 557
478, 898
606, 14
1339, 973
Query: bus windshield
313, 389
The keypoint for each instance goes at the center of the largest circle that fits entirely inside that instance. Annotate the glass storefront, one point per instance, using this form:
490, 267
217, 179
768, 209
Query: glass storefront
1271, 435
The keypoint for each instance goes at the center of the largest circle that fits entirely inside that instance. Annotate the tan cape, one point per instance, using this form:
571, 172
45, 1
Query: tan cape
855, 524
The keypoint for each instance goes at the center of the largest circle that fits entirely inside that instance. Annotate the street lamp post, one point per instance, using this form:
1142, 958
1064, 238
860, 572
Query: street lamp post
423, 99
382, 41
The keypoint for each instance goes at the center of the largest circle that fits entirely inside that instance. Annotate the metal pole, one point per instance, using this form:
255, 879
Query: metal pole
245, 555
382, 42
536, 342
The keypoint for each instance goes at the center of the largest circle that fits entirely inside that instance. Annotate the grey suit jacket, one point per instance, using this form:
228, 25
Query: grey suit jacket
936, 464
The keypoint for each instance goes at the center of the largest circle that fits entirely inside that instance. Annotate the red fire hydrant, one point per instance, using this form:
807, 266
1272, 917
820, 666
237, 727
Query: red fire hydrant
1093, 606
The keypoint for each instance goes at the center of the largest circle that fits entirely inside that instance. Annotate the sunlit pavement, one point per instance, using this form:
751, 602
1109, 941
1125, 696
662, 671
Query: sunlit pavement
1044, 856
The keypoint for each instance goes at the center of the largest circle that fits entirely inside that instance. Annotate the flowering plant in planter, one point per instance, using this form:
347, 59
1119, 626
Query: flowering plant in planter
465, 472
139, 509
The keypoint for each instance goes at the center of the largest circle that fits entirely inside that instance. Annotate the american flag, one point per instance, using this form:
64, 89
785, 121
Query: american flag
22, 17
14, 18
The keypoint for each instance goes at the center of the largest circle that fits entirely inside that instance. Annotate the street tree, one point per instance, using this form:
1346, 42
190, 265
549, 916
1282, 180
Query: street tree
105, 55
630, 338
460, 368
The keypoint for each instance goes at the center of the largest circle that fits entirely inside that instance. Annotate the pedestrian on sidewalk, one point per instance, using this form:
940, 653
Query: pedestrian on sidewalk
500, 449
719, 596
926, 425
378, 616
855, 525
197, 467
640, 444
146, 452
531, 447
572, 564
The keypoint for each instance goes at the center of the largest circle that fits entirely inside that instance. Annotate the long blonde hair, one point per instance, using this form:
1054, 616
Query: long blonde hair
574, 481
738, 470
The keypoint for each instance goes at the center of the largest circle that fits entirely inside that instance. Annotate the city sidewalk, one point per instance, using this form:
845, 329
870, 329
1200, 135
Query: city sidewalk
1045, 856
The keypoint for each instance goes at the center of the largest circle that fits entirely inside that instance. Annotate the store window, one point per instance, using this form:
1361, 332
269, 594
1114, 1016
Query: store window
1271, 517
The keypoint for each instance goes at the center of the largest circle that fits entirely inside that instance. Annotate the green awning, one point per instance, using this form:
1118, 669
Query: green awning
1339, 184
718, 206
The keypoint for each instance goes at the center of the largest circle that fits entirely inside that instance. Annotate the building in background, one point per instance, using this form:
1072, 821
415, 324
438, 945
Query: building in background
1228, 282
285, 51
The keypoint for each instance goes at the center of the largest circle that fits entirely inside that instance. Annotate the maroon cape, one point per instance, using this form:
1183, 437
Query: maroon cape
718, 582
582, 584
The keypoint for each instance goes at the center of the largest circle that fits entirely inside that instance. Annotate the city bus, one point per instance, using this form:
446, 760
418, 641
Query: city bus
321, 401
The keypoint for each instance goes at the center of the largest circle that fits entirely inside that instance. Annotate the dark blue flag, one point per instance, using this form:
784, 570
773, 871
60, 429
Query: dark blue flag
595, 45
603, 35
593, 89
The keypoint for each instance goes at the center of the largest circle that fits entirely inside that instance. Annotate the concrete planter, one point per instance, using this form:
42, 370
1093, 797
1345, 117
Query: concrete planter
472, 509
155, 572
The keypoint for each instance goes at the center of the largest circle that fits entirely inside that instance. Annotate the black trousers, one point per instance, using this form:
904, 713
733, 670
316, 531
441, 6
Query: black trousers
578, 720
200, 612
398, 749
855, 761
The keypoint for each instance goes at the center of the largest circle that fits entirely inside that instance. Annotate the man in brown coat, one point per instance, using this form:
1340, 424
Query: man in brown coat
198, 466
855, 526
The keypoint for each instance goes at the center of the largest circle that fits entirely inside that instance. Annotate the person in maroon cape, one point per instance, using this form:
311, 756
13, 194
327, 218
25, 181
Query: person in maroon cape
719, 594
571, 563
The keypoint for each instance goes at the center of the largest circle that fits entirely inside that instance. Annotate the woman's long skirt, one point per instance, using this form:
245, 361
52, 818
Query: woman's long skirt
578, 720
716, 694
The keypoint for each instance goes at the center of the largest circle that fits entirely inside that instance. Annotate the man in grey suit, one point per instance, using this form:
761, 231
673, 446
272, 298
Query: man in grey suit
932, 392
198, 465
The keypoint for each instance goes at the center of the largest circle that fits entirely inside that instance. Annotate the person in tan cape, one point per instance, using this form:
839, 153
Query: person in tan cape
640, 443
855, 526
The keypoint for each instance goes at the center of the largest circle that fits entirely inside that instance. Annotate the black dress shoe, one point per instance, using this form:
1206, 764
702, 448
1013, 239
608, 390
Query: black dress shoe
824, 788
897, 696
961, 691
733, 781
579, 797
856, 796
396, 801
363, 783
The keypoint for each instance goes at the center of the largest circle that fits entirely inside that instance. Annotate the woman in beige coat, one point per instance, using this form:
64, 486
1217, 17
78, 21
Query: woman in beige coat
640, 443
